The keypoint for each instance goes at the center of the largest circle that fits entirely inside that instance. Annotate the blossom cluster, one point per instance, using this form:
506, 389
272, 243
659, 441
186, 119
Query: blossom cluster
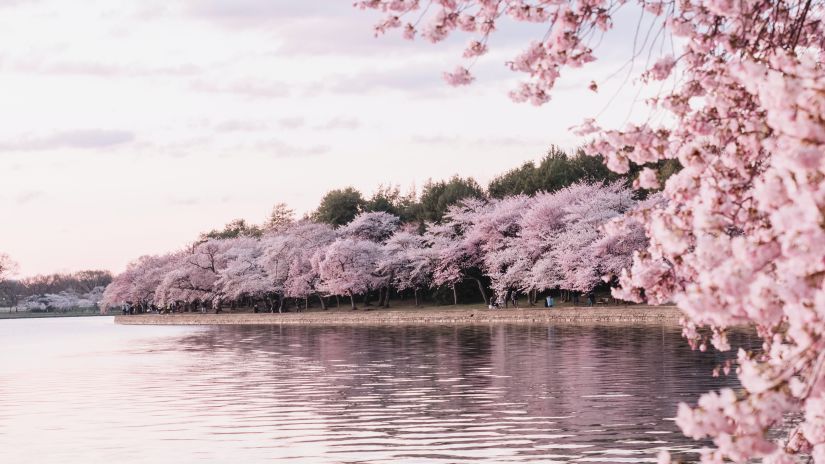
740, 238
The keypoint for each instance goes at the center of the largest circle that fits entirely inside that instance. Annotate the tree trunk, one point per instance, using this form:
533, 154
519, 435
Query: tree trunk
323, 304
387, 296
455, 296
337, 301
482, 291
352, 300
415, 293
280, 304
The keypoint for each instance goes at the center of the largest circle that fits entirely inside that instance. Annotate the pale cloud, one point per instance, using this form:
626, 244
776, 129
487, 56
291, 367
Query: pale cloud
263, 11
88, 139
239, 125
250, 88
40, 65
29, 196
340, 123
458, 141
421, 81
279, 149
439, 139
184, 201
292, 122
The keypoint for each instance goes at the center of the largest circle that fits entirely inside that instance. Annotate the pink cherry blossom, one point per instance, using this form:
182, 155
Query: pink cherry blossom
739, 236
459, 76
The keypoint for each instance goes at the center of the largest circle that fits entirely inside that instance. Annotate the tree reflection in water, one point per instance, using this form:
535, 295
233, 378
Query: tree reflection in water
88, 391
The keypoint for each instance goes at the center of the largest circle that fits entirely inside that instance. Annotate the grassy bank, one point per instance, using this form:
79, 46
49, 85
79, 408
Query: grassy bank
461, 314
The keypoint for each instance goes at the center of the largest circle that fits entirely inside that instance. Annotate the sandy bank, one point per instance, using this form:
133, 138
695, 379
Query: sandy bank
629, 315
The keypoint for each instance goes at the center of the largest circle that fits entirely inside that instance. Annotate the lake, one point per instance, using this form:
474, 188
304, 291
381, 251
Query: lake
84, 390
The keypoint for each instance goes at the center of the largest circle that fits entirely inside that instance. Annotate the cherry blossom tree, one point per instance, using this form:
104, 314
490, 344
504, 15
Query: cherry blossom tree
541, 224
579, 249
243, 275
348, 267
140, 282
493, 232
377, 227
275, 261
410, 260
740, 238
196, 274
562, 242
457, 256
307, 239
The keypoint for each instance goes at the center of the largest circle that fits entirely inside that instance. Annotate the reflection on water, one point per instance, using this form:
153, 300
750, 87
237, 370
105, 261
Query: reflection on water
86, 390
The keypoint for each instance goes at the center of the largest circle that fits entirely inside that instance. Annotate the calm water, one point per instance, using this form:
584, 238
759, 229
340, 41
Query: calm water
84, 390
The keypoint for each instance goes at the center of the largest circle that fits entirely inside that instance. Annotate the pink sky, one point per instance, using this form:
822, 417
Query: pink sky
131, 126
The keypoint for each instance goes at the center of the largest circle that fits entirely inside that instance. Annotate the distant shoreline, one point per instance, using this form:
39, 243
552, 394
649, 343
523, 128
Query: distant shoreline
47, 315
621, 315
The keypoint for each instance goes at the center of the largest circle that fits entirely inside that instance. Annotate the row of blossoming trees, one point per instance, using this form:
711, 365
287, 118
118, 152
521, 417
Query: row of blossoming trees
527, 244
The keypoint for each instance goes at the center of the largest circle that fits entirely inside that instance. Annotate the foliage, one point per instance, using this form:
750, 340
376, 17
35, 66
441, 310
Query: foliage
281, 217
436, 197
235, 228
339, 207
555, 171
390, 200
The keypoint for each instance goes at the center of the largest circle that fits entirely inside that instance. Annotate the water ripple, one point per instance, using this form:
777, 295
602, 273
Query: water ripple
85, 390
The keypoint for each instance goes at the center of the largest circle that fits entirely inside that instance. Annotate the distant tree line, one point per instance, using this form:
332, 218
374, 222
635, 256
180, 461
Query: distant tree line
58, 291
553, 172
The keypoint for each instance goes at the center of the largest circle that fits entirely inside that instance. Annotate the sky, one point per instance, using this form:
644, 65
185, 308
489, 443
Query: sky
131, 126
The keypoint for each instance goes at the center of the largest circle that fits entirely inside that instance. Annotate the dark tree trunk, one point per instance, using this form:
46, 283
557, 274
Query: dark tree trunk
280, 303
482, 291
415, 294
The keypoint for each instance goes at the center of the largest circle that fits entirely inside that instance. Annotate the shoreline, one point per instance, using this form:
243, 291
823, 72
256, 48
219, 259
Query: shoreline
620, 315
